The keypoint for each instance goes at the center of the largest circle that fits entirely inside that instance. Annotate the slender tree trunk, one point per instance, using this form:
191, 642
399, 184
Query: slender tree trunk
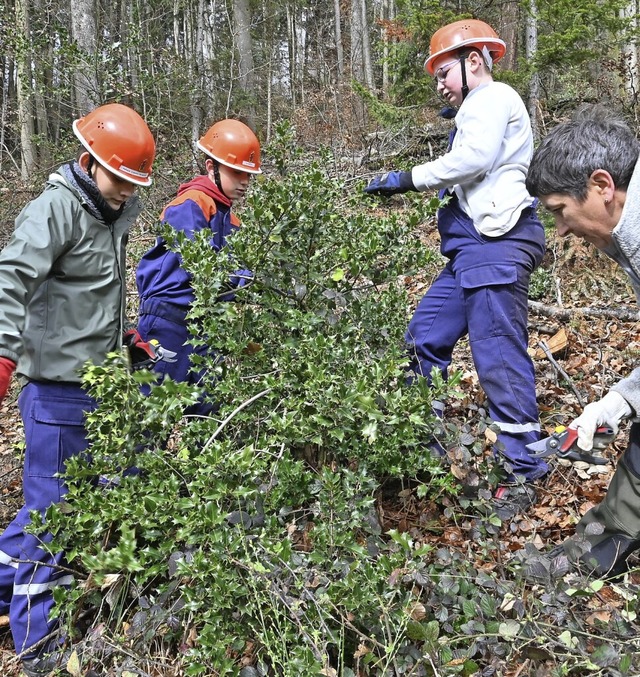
6, 70
269, 48
337, 32
358, 60
531, 49
194, 50
509, 33
39, 68
357, 69
177, 27
388, 15
360, 47
244, 46
293, 55
366, 46
630, 52
24, 91
84, 34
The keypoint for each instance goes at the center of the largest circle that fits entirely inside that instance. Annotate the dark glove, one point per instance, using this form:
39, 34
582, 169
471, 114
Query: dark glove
7, 367
390, 184
145, 353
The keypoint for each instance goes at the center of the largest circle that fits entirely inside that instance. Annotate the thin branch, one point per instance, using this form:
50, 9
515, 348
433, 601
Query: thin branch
545, 349
237, 410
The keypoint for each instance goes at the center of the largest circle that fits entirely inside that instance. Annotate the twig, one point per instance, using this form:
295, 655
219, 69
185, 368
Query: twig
37, 645
545, 349
237, 410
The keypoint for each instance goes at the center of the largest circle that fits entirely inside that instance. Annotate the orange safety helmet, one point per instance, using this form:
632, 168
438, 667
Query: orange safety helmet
119, 139
233, 144
464, 33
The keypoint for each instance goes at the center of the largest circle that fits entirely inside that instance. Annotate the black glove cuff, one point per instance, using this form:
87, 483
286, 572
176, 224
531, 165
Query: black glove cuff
406, 182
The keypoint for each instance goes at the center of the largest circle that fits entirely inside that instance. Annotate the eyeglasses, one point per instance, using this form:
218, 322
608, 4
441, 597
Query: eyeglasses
443, 71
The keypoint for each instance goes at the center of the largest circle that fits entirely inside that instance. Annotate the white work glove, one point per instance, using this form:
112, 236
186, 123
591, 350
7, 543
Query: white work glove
610, 410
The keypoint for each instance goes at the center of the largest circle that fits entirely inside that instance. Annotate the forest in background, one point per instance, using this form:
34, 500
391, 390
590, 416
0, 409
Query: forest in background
338, 71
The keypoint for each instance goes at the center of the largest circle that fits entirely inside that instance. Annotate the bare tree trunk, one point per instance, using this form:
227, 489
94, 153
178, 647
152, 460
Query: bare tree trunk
356, 41
131, 55
194, 51
361, 68
206, 62
366, 46
509, 33
244, 46
359, 36
84, 34
337, 32
630, 51
177, 28
24, 91
531, 49
40, 85
293, 55
386, 17
6, 74
269, 45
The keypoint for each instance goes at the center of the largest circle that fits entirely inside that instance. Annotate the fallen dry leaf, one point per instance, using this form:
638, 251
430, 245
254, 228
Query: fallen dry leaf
598, 617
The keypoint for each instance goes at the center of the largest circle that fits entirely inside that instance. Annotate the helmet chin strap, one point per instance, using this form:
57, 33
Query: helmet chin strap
463, 71
216, 177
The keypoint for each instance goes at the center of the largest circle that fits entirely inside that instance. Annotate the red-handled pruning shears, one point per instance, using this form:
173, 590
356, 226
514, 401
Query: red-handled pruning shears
563, 442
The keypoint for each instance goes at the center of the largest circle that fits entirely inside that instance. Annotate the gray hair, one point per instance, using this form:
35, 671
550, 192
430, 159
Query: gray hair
594, 139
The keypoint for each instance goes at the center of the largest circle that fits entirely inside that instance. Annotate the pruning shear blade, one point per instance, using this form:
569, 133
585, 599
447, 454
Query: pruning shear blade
563, 442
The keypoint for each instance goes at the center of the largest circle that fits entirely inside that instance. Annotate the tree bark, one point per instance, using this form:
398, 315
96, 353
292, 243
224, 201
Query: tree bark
509, 33
337, 32
630, 52
622, 314
24, 91
531, 49
194, 52
293, 56
244, 47
366, 46
84, 34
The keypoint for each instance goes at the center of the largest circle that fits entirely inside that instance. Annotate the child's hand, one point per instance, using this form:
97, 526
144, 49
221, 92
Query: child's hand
390, 184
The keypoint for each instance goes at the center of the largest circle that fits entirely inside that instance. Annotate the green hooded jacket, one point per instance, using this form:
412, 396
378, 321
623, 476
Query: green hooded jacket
62, 285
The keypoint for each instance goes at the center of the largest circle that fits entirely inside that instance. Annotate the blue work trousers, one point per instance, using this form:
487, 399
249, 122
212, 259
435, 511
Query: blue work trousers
482, 292
53, 417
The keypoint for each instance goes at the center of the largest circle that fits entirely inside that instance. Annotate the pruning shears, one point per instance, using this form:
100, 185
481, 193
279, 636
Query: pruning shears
144, 354
563, 442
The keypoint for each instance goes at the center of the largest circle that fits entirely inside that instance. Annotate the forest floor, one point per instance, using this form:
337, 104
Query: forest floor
598, 351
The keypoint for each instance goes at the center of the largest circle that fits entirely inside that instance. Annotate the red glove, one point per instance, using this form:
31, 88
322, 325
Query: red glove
145, 353
7, 367
142, 353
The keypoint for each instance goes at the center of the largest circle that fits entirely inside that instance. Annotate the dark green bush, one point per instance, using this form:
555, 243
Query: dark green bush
257, 527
